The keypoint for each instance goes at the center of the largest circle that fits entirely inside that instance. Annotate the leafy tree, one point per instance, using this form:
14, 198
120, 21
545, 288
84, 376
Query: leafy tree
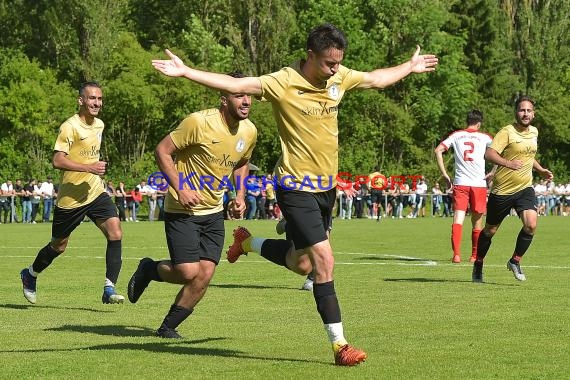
32, 107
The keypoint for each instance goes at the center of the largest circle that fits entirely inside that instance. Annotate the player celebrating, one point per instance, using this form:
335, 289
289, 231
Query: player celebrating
305, 98
469, 182
208, 146
513, 149
81, 193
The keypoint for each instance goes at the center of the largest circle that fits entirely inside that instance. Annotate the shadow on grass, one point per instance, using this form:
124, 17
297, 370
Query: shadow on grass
30, 306
259, 287
392, 258
110, 330
172, 346
445, 280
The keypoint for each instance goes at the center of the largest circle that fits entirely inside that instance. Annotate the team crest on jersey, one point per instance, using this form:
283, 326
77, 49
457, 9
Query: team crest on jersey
240, 146
334, 91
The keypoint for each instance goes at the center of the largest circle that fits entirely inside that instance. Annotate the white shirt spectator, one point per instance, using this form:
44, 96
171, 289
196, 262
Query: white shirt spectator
46, 189
540, 189
6, 190
421, 187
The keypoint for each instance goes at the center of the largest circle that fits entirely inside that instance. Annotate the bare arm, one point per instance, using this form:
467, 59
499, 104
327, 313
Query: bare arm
440, 164
175, 67
493, 156
381, 78
545, 173
240, 173
62, 162
163, 154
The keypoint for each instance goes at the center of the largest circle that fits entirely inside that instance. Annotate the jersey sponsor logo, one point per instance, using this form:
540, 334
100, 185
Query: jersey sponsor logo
90, 152
240, 146
222, 161
334, 91
323, 110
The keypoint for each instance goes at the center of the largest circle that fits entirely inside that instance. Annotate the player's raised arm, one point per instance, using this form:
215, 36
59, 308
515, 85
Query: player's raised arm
175, 67
381, 78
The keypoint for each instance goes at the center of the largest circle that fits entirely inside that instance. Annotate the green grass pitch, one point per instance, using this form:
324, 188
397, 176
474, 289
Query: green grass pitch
416, 315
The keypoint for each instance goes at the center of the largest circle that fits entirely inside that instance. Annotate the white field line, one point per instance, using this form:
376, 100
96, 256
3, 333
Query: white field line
392, 258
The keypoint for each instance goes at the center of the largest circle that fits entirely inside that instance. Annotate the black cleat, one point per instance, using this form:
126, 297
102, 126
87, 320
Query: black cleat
477, 274
165, 332
138, 282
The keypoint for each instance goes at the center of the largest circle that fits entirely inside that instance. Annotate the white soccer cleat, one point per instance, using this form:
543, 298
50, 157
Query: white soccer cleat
516, 269
308, 285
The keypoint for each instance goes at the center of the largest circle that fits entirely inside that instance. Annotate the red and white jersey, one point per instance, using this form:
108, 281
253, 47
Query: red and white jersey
469, 150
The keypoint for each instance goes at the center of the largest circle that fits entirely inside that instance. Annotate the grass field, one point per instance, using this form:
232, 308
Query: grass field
416, 314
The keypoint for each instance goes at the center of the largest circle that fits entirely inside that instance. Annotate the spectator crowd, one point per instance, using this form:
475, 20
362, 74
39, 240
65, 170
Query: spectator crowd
33, 201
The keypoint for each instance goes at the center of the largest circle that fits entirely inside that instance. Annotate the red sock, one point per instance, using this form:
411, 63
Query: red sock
456, 232
474, 239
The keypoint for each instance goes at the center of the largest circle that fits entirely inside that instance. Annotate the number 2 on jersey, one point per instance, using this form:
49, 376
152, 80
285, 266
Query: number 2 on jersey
467, 152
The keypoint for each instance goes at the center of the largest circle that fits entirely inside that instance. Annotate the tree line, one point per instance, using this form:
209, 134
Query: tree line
490, 52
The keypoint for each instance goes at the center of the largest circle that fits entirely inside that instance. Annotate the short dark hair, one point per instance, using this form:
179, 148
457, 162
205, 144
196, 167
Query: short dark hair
235, 74
523, 98
84, 85
474, 116
326, 36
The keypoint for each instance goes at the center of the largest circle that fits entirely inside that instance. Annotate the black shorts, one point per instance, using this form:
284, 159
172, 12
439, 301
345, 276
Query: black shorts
376, 196
499, 206
66, 220
308, 215
192, 238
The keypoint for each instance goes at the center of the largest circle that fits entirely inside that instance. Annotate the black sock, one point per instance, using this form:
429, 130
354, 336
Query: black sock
176, 315
113, 260
483, 245
151, 271
311, 276
327, 303
44, 258
275, 250
523, 242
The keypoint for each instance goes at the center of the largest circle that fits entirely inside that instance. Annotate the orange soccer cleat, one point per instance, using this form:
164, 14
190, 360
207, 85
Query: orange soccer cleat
235, 251
349, 356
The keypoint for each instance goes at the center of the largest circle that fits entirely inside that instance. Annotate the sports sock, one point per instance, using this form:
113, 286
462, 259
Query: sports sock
176, 315
335, 332
275, 250
327, 303
329, 310
31, 271
474, 240
113, 260
254, 244
523, 242
456, 234
483, 245
151, 271
45, 257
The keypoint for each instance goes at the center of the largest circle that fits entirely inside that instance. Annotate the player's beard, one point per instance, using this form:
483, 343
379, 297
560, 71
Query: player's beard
237, 115
524, 123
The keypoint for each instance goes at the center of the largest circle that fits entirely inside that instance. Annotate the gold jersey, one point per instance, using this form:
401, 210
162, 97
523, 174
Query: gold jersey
376, 181
81, 143
308, 127
514, 145
208, 152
